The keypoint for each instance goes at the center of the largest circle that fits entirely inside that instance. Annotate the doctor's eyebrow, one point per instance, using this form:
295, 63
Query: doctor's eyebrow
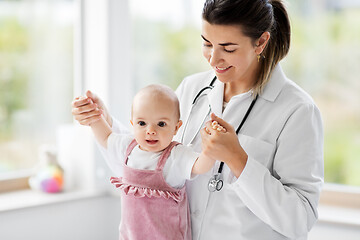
221, 44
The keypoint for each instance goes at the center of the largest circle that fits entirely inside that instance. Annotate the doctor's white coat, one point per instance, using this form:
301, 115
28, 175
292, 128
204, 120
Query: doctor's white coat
277, 194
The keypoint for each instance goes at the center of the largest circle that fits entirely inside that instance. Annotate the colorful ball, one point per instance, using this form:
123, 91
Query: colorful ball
49, 179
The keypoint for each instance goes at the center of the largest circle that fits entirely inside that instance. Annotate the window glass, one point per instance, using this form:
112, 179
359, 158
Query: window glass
324, 60
36, 77
166, 41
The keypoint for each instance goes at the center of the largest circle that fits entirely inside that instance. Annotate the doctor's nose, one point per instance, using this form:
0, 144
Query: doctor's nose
214, 57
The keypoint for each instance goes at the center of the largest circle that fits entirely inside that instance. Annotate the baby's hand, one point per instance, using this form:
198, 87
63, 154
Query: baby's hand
80, 98
216, 126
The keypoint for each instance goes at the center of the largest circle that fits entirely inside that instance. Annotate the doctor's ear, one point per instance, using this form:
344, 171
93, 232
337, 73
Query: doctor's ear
261, 42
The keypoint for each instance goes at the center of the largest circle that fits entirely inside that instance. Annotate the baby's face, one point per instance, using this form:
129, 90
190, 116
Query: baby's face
155, 122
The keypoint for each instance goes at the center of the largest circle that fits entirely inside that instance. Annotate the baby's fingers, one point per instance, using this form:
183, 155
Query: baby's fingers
216, 126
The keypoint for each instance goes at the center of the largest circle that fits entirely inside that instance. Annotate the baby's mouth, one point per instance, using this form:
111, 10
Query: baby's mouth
151, 142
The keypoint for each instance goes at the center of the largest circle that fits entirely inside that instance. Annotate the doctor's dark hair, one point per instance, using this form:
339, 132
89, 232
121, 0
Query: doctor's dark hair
255, 17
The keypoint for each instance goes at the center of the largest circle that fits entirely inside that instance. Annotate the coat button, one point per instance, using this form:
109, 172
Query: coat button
196, 213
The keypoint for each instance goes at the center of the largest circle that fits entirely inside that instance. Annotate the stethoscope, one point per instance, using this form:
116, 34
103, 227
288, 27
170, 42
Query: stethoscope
196, 100
215, 182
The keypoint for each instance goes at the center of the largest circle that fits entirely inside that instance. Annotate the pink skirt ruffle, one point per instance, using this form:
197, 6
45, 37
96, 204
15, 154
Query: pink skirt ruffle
140, 192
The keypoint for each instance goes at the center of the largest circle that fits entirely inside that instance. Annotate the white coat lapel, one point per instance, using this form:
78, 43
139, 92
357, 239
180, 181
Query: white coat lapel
196, 117
201, 111
216, 97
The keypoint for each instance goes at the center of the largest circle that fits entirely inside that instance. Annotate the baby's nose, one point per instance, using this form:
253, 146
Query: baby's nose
150, 130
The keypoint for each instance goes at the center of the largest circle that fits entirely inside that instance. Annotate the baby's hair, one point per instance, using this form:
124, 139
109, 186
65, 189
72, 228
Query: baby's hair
162, 91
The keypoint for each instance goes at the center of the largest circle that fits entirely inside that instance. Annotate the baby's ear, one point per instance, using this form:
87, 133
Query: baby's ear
178, 125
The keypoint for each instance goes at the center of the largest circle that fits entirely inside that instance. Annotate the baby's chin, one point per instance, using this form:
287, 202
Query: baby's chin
153, 146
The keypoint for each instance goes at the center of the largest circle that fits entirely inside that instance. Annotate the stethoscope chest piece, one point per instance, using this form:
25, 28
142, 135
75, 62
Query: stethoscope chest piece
215, 183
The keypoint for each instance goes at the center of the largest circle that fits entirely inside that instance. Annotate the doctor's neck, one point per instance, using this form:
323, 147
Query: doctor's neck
235, 88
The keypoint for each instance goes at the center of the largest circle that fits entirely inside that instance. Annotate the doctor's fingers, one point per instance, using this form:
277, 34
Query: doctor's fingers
206, 139
210, 136
85, 108
90, 120
89, 117
80, 101
87, 114
94, 97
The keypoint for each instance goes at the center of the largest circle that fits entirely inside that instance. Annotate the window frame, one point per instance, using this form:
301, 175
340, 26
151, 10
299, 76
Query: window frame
15, 181
339, 195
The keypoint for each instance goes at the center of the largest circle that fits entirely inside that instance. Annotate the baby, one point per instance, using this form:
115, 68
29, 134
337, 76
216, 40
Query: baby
154, 202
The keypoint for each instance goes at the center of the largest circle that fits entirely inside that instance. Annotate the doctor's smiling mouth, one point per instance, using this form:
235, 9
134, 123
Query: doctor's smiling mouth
222, 70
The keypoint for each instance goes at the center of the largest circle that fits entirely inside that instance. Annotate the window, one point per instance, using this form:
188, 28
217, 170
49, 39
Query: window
166, 41
36, 79
323, 59
36, 67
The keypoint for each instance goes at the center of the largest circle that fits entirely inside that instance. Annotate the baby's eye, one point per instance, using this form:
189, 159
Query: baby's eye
141, 123
162, 124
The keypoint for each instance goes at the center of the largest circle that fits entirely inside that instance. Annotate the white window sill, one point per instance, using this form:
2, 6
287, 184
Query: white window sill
339, 215
340, 204
30, 198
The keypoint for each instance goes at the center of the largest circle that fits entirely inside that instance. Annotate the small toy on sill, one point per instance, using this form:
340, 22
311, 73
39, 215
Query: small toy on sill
50, 176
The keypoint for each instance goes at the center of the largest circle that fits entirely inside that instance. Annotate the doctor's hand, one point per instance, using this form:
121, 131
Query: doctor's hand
223, 145
89, 109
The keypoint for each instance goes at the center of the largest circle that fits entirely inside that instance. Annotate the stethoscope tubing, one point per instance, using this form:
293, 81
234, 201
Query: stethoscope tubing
215, 182
241, 124
210, 86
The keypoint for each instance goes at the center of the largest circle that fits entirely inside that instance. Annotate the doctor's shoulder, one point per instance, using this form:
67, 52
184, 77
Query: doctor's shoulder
294, 101
293, 94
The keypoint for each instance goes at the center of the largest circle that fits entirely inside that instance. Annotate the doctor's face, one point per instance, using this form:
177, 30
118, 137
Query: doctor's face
154, 121
230, 53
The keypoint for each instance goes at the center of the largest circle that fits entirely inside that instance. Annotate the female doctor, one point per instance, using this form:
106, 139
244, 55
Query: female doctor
269, 173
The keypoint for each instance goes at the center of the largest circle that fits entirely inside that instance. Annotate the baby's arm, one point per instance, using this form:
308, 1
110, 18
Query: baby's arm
101, 130
204, 163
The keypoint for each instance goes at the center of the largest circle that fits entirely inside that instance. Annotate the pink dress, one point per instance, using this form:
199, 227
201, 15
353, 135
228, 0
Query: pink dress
151, 208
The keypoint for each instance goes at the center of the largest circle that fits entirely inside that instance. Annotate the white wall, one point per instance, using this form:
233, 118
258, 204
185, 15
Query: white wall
94, 218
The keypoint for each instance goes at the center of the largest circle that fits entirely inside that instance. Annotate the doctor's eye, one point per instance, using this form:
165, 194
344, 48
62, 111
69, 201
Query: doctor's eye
141, 123
162, 124
229, 51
